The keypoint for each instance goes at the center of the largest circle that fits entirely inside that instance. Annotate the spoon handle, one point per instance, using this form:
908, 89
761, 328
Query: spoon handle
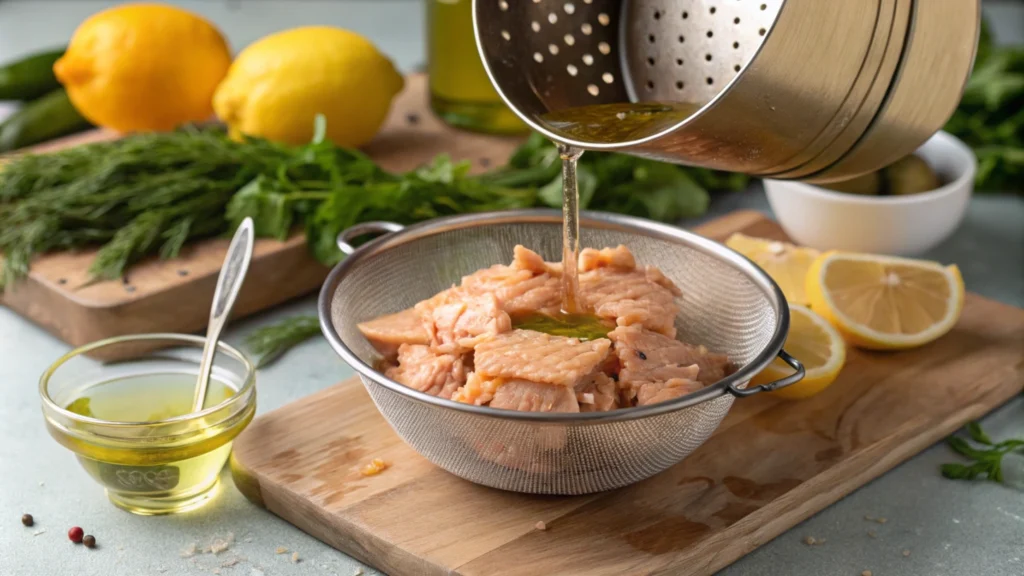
232, 274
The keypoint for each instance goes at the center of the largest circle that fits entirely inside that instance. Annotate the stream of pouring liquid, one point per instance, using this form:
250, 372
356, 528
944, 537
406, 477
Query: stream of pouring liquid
608, 123
570, 229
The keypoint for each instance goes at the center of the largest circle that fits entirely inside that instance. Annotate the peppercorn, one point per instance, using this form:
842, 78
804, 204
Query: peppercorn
75, 534
27, 519
641, 355
89, 540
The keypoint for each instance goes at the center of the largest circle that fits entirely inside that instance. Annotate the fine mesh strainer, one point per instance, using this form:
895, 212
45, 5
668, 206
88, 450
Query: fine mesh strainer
728, 304
785, 88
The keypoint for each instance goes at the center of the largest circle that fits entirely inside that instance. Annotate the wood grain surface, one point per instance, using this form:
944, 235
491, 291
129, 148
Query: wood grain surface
175, 295
770, 465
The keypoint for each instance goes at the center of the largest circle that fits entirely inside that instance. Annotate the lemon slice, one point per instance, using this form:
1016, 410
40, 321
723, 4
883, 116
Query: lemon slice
815, 343
785, 263
884, 302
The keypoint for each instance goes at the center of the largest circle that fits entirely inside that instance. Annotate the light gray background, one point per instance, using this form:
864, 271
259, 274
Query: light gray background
949, 527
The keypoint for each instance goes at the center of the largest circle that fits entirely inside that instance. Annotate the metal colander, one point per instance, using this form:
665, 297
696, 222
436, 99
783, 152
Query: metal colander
728, 304
811, 89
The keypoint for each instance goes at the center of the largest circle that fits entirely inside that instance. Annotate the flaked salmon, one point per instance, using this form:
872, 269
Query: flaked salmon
461, 344
631, 297
654, 392
428, 371
529, 284
647, 356
619, 258
456, 320
478, 390
597, 393
526, 396
539, 357
389, 332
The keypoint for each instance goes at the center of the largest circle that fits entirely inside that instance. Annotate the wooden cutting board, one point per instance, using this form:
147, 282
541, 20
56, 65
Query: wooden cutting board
770, 465
175, 296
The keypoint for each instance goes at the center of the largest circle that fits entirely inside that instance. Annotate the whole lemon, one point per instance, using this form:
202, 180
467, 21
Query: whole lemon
139, 67
277, 86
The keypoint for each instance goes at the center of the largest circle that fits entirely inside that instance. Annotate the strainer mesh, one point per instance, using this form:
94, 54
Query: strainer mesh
722, 308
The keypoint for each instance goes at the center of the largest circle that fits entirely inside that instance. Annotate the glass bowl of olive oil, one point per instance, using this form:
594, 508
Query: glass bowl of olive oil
130, 421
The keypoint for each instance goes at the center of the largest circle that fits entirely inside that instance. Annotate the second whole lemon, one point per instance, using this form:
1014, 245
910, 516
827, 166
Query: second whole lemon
279, 84
141, 67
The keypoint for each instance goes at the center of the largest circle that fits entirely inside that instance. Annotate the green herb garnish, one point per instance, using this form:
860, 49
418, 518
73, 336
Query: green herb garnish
271, 342
149, 194
986, 459
990, 117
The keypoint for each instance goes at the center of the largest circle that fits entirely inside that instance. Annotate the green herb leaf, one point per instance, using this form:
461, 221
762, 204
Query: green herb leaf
262, 201
990, 117
271, 342
977, 434
963, 472
987, 462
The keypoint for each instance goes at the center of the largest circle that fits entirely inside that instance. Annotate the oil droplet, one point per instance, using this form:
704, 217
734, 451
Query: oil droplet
603, 19
506, 35
569, 8
608, 78
569, 40
587, 29
572, 69
537, 56
503, 6
553, 49
593, 89
588, 59
535, 26
604, 48
552, 17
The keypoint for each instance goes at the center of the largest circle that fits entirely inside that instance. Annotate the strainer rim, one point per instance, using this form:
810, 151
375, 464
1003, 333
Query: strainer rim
588, 219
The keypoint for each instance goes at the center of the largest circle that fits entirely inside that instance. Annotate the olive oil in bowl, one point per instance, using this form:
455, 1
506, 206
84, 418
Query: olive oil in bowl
131, 425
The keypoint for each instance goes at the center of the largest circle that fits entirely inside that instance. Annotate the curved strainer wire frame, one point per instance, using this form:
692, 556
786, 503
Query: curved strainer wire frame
728, 385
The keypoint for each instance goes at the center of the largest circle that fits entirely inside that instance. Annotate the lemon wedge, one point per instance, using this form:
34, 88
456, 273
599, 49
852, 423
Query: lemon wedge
885, 302
815, 343
785, 263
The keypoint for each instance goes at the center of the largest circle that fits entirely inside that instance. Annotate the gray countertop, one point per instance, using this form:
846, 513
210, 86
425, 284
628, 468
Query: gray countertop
948, 527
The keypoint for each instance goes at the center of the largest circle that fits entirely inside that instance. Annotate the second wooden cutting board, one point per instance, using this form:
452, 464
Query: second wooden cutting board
175, 295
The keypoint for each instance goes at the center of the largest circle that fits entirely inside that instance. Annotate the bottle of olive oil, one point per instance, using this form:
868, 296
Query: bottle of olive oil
461, 94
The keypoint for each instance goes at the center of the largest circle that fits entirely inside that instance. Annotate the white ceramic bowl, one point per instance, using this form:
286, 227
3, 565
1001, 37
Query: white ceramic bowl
900, 225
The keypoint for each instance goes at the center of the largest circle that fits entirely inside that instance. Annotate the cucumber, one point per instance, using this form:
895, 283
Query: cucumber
29, 78
49, 117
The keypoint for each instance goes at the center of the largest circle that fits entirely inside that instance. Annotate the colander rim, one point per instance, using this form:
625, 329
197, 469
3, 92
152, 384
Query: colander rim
588, 219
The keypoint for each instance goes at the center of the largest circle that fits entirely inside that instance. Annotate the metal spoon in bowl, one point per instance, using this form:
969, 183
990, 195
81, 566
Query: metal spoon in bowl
232, 274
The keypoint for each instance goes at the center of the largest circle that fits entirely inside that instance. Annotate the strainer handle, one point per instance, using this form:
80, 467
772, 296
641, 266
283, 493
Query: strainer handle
782, 383
346, 236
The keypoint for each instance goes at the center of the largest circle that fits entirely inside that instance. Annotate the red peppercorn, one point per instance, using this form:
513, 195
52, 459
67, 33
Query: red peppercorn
75, 534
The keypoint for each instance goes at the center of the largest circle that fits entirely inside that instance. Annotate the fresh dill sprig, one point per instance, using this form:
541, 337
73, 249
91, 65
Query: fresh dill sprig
149, 194
271, 342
